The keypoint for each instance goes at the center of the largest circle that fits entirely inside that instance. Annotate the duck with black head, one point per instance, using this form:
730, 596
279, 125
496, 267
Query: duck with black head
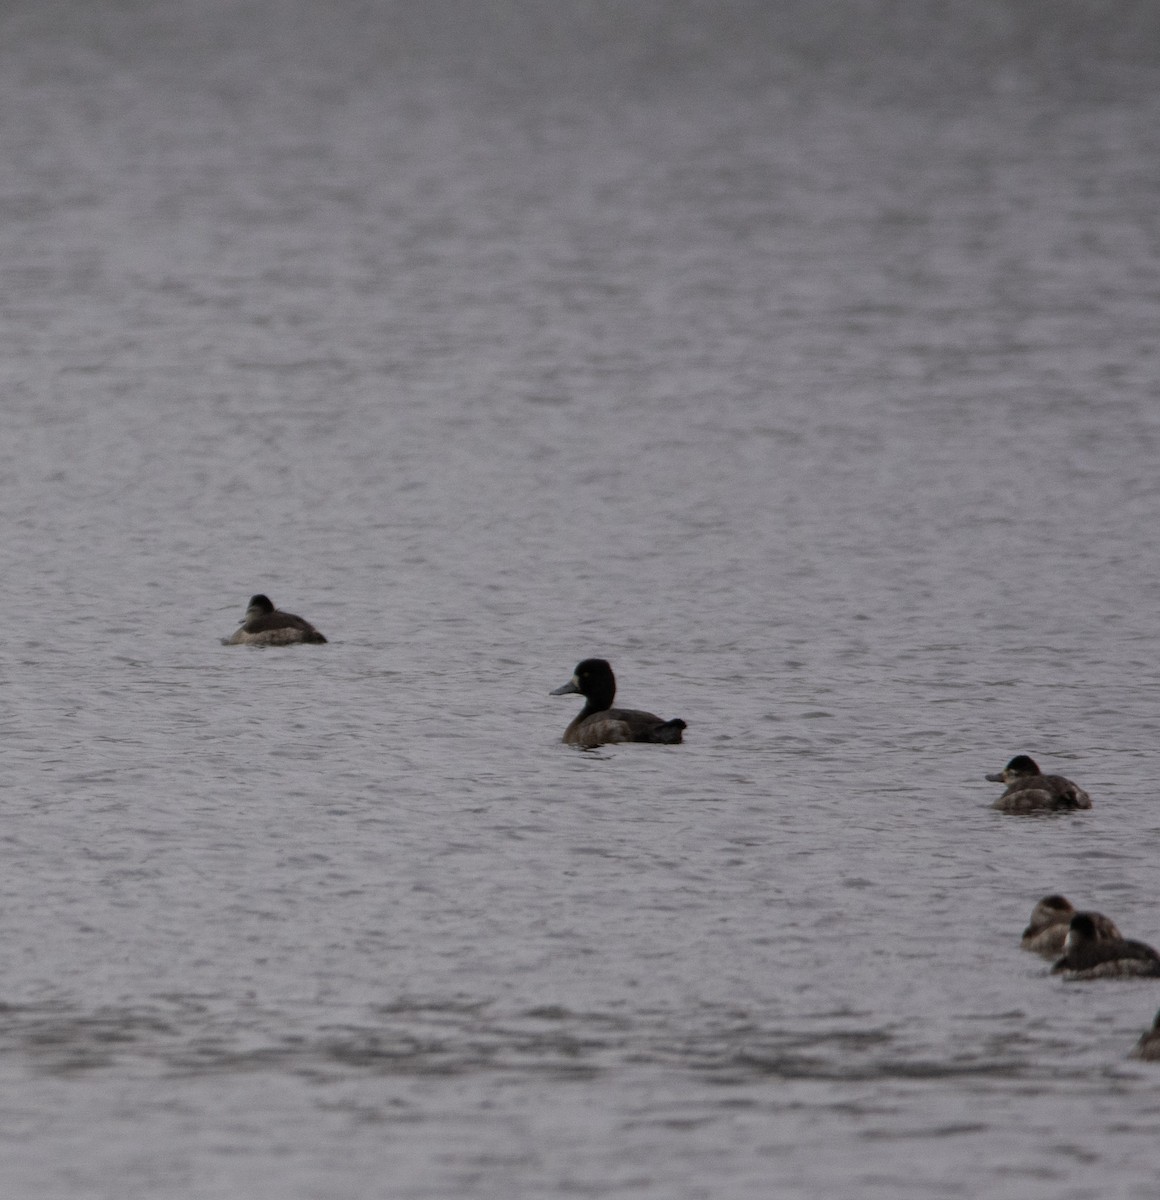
265, 625
598, 723
1088, 956
1030, 791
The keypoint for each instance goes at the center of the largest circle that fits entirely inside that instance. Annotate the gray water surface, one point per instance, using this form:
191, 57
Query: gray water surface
800, 360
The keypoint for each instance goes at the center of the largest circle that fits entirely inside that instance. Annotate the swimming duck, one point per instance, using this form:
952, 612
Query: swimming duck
265, 625
1087, 956
1029, 790
598, 723
1149, 1044
1047, 930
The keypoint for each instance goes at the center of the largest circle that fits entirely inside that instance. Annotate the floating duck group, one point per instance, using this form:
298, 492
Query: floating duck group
1082, 945
1088, 945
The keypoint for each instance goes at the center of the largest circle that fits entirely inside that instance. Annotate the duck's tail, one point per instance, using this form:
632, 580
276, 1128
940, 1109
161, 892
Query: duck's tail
668, 732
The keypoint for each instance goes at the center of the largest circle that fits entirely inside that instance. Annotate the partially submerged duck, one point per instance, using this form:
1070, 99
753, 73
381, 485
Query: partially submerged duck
1029, 790
1087, 956
598, 723
1149, 1044
265, 625
1046, 932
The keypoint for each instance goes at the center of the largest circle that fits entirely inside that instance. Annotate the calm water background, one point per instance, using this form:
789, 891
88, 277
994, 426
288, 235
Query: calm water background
802, 360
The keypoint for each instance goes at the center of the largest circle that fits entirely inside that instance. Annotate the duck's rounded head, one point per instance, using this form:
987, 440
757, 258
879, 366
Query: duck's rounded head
1051, 910
260, 606
1080, 931
592, 678
1021, 766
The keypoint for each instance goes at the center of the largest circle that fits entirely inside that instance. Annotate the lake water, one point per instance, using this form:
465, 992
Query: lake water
799, 359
